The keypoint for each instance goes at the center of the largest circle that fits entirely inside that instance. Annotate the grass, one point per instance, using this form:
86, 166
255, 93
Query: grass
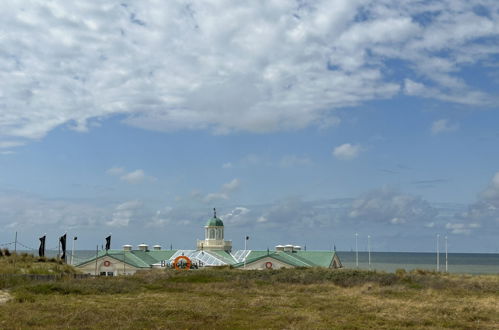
13, 263
275, 299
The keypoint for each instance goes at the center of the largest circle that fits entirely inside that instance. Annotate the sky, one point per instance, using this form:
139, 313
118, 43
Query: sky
302, 122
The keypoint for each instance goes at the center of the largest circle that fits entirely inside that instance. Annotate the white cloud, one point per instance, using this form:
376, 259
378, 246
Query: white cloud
115, 171
124, 213
225, 192
461, 228
231, 186
347, 151
10, 144
230, 66
237, 216
137, 176
443, 125
227, 165
389, 206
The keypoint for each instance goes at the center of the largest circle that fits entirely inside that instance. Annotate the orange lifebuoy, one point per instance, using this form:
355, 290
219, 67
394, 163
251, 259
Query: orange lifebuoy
187, 260
107, 263
268, 265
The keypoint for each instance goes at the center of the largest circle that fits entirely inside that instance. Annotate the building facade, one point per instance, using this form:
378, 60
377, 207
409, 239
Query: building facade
213, 251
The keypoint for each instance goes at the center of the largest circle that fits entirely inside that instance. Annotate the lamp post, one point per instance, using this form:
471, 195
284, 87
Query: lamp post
73, 250
446, 256
356, 251
369, 249
438, 253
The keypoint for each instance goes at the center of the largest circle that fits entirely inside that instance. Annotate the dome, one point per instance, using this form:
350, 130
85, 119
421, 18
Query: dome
214, 221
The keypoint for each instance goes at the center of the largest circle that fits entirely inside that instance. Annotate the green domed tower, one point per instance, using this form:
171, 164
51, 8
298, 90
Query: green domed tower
214, 235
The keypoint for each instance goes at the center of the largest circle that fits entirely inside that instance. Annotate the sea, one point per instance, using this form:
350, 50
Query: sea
465, 263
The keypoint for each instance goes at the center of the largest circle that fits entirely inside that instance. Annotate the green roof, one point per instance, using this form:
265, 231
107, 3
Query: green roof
223, 255
135, 258
297, 259
128, 257
214, 222
145, 259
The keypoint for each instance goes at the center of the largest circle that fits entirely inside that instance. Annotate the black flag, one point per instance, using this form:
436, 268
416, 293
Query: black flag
108, 242
62, 240
41, 249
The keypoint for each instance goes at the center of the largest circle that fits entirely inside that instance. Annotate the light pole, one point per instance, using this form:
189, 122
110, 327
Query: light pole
73, 250
356, 251
446, 258
369, 249
245, 252
438, 253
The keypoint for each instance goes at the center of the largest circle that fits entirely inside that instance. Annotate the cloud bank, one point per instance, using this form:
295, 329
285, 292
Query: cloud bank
231, 66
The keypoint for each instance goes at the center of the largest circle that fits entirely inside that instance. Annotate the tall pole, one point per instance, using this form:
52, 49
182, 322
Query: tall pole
245, 240
96, 255
369, 249
15, 244
446, 256
438, 253
73, 251
356, 251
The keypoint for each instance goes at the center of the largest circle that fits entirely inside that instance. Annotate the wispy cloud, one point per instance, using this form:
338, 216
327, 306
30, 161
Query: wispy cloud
224, 193
134, 177
347, 151
443, 125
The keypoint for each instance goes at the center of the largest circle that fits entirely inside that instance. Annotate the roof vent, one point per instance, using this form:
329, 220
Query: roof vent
279, 247
288, 248
143, 247
156, 247
127, 247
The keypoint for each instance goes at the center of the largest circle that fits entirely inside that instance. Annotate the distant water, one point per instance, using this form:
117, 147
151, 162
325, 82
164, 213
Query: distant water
468, 263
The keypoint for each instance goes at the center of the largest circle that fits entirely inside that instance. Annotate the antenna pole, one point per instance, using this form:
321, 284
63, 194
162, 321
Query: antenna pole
15, 244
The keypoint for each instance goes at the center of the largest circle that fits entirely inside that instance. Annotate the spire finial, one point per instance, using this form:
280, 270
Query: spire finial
214, 212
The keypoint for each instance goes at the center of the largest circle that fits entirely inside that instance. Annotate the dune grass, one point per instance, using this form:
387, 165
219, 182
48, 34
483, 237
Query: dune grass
23, 263
276, 299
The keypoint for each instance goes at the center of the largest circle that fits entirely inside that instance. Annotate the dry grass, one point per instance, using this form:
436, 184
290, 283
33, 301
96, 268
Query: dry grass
284, 299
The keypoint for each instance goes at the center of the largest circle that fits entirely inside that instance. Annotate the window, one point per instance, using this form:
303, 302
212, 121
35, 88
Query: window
102, 273
212, 233
110, 274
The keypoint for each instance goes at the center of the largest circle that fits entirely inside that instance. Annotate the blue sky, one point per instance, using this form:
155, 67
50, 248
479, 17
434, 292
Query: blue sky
303, 122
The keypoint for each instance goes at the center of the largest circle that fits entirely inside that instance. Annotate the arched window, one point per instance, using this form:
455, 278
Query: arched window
219, 234
212, 233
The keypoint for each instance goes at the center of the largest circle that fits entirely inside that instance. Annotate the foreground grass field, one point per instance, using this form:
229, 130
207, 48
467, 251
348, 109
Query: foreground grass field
238, 299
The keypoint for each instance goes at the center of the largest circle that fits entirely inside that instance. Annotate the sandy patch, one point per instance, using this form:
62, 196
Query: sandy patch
4, 297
